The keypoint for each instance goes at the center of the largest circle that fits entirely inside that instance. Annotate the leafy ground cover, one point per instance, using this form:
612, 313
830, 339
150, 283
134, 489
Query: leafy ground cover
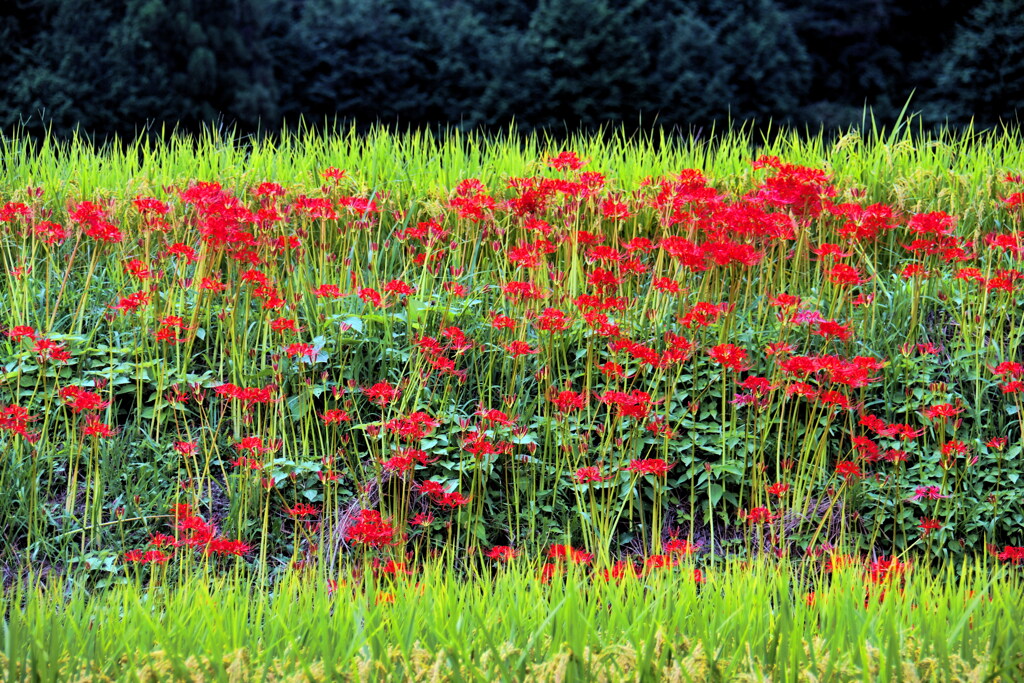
638, 359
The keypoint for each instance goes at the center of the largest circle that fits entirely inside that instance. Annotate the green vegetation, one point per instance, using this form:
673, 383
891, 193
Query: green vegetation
741, 623
466, 407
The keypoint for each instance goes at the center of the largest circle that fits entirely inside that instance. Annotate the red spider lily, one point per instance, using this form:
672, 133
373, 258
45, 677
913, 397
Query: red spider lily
163, 541
15, 419
391, 568
431, 488
169, 335
677, 546
452, 500
502, 322
955, 447
12, 210
181, 510
997, 443
301, 350
615, 210
802, 389
147, 557
778, 489
785, 301
405, 460
186, 448
245, 462
399, 287
19, 332
643, 466
928, 493
589, 475
567, 552
799, 189
382, 394
132, 302
480, 447
327, 292
520, 348
51, 233
848, 470
418, 425
636, 404
845, 276
611, 369
302, 510
517, 291
830, 251
421, 519
704, 314
267, 189
567, 401
666, 285
225, 546
253, 444
622, 569
758, 515
248, 395
834, 398
885, 570
657, 562
79, 400
941, 411
914, 271
658, 427
496, 417
564, 160
211, 285
335, 416
831, 328
137, 269
284, 325
867, 449
552, 320
151, 205
729, 356
934, 223
928, 525
501, 553
371, 296
1012, 554
332, 173
455, 289
1010, 368
371, 530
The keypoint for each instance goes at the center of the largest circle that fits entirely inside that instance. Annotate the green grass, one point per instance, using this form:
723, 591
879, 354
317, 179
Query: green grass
916, 170
744, 623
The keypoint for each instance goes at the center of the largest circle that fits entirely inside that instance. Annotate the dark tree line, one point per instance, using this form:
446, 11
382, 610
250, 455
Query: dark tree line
121, 66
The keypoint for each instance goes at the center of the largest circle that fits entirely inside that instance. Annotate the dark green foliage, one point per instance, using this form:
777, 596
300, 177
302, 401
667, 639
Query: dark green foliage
115, 67
415, 61
122, 67
985, 63
578, 62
